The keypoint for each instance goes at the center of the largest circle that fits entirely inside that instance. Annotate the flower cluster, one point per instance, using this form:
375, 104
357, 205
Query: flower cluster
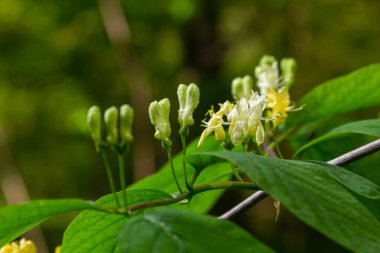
245, 116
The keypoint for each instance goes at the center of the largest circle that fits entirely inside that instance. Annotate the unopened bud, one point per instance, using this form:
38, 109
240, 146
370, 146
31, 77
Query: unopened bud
237, 88
192, 101
267, 60
126, 120
159, 117
110, 119
247, 85
94, 124
181, 92
288, 70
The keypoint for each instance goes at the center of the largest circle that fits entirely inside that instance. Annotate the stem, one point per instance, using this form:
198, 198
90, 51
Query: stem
194, 178
236, 174
196, 190
122, 178
173, 171
277, 147
110, 177
183, 141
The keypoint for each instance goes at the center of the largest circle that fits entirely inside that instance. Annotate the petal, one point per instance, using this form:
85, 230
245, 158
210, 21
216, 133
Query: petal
260, 134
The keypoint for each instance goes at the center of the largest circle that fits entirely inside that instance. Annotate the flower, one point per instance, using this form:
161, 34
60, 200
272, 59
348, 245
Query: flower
23, 246
279, 103
215, 124
245, 119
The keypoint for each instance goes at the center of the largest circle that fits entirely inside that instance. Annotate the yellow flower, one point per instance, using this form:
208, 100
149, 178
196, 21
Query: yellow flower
57, 249
24, 246
279, 103
215, 124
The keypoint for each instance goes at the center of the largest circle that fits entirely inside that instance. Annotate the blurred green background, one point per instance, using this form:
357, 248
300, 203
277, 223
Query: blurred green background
57, 58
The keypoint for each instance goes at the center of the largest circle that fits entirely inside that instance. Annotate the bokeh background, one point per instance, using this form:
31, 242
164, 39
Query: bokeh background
57, 58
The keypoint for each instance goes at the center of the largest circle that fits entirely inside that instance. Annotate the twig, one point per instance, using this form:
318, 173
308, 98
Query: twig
341, 160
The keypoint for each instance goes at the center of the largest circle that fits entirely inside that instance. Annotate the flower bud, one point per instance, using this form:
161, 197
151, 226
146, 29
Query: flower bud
237, 88
159, 117
247, 85
126, 120
94, 124
267, 74
288, 70
110, 119
181, 92
192, 101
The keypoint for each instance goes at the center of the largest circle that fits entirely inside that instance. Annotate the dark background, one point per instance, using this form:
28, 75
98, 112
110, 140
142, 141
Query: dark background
57, 58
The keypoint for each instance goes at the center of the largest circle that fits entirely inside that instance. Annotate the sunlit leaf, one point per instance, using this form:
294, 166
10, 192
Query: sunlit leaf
359, 89
18, 219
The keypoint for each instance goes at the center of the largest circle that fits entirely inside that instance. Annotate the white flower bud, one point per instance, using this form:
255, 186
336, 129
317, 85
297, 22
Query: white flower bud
94, 124
126, 120
159, 117
111, 120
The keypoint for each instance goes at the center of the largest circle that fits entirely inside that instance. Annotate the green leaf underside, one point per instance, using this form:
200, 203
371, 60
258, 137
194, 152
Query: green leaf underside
163, 179
359, 89
175, 231
96, 232
311, 194
18, 219
365, 127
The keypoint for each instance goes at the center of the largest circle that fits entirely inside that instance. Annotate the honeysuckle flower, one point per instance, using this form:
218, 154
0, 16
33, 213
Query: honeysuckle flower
267, 74
23, 246
245, 119
280, 104
159, 117
126, 120
215, 123
188, 97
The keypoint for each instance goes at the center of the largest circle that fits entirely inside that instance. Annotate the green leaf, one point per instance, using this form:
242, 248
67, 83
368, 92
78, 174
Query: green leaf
17, 219
172, 231
359, 89
163, 179
311, 194
95, 231
366, 127
354, 182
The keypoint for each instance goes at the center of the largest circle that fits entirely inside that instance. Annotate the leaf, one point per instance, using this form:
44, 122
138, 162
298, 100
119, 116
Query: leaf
95, 231
17, 219
163, 179
354, 182
359, 89
311, 194
172, 231
366, 127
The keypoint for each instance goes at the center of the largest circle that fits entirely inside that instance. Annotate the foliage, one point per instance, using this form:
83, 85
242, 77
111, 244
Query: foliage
149, 215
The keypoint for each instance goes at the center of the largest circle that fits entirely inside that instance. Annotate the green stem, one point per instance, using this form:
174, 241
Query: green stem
194, 178
278, 151
183, 141
110, 177
173, 171
236, 174
196, 190
122, 178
